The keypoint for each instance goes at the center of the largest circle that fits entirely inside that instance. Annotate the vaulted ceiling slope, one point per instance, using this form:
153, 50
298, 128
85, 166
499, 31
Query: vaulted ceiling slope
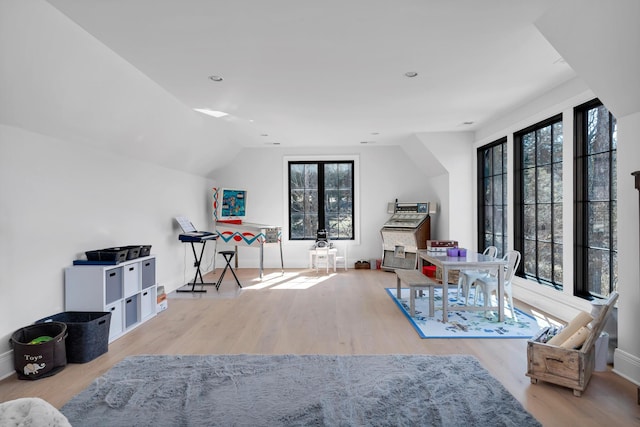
601, 41
125, 76
332, 73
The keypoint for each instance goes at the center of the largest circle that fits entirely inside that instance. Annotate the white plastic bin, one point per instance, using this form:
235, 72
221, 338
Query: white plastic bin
602, 351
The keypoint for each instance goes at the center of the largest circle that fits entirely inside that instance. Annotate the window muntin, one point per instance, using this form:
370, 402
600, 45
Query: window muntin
539, 198
321, 193
596, 266
492, 196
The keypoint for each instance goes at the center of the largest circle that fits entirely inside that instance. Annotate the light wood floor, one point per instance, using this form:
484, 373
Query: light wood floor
343, 313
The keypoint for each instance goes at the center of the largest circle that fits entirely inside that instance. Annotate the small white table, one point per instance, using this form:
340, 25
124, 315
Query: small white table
333, 252
473, 261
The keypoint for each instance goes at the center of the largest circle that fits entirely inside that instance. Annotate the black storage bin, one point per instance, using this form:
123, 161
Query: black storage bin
145, 250
109, 254
88, 333
134, 251
35, 361
130, 252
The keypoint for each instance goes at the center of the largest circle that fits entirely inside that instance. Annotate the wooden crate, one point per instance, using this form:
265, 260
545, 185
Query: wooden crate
567, 367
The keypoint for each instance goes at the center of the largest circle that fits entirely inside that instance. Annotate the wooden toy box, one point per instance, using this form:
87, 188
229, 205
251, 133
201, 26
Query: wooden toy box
557, 365
570, 368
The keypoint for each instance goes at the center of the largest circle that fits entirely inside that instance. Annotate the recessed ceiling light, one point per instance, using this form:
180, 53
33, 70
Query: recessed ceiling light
216, 78
467, 123
212, 113
375, 133
411, 74
264, 134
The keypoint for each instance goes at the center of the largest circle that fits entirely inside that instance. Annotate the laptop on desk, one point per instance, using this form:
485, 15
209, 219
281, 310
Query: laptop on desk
190, 233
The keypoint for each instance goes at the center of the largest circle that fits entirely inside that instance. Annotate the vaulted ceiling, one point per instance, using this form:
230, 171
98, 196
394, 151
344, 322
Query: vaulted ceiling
333, 73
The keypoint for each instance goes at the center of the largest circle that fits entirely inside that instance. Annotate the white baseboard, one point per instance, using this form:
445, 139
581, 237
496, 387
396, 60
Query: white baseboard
627, 366
7, 367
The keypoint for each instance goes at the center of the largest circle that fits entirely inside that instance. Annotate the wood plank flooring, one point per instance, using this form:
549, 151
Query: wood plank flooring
304, 312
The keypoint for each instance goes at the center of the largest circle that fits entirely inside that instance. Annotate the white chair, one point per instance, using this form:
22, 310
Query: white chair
468, 277
322, 258
488, 285
340, 259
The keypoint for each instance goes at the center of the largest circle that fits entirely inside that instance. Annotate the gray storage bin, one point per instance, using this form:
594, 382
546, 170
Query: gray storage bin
87, 333
113, 285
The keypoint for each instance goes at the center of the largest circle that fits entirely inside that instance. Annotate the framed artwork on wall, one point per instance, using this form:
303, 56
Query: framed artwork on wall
232, 203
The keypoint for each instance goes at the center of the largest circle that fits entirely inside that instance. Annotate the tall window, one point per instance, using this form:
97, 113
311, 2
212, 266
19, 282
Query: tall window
596, 260
538, 198
321, 196
492, 196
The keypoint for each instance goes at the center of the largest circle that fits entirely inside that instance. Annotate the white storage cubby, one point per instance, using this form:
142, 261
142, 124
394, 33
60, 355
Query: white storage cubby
127, 290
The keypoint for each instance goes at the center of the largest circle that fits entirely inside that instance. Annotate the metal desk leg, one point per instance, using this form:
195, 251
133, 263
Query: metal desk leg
281, 258
445, 293
261, 259
501, 294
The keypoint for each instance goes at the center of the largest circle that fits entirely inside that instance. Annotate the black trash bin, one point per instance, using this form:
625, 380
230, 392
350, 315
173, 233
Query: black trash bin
88, 333
38, 360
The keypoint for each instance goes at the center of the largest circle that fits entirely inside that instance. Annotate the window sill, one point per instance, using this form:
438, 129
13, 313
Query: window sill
555, 303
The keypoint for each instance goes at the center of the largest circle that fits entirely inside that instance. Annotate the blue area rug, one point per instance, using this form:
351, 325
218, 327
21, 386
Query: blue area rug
463, 323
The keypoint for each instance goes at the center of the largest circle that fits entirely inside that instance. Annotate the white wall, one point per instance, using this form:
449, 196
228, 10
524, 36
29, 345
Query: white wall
627, 356
386, 174
91, 154
453, 151
60, 199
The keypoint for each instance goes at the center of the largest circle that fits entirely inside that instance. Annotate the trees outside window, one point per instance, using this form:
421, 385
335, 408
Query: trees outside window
492, 196
538, 201
321, 197
596, 260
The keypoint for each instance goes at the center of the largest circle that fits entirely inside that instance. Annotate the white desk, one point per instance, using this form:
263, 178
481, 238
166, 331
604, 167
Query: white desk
333, 252
473, 261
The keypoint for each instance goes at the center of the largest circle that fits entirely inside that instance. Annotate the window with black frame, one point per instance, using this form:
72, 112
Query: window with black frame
595, 222
492, 196
321, 197
538, 201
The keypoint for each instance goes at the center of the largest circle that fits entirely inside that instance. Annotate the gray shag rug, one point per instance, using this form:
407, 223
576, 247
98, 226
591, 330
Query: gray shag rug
292, 390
